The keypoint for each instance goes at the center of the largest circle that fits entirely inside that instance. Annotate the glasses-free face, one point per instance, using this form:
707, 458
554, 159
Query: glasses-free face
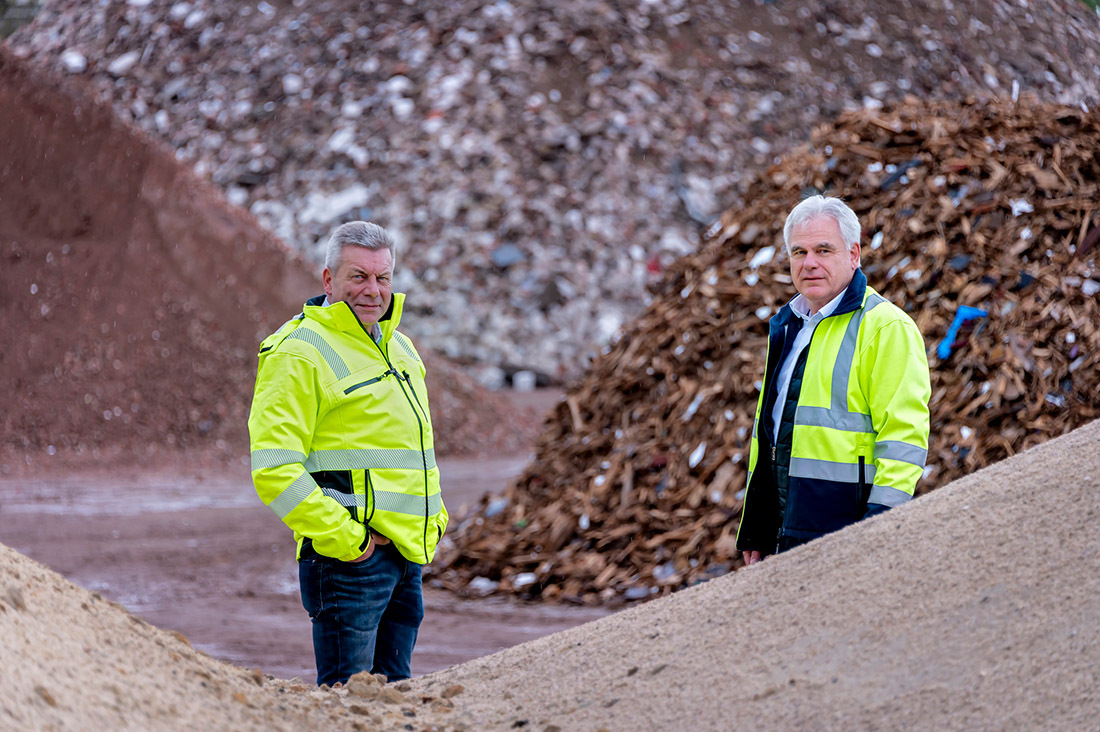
364, 280
821, 264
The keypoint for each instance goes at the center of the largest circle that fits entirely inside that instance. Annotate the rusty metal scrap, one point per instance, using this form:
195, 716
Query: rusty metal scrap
636, 486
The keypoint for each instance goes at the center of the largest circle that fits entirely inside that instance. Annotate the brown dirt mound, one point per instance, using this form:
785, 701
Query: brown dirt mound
635, 486
136, 296
973, 608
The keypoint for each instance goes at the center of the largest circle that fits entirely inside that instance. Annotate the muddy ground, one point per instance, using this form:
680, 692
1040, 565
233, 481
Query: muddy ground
196, 551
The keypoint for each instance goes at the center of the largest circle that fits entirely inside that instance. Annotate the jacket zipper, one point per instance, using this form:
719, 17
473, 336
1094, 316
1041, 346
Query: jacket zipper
864, 494
423, 457
369, 496
420, 426
368, 382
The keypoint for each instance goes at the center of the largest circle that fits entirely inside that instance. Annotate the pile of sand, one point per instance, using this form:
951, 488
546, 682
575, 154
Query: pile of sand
971, 608
73, 660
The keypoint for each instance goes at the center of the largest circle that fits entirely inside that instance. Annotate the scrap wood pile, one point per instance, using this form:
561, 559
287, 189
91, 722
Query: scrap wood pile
637, 482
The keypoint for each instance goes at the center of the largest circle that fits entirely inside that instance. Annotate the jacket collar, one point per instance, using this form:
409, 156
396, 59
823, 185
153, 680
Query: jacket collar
340, 316
852, 300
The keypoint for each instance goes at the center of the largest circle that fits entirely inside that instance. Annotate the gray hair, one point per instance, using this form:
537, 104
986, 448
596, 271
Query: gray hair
358, 234
816, 206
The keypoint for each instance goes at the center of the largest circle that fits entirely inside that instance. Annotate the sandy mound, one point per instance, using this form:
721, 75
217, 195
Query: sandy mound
137, 297
971, 608
635, 487
73, 660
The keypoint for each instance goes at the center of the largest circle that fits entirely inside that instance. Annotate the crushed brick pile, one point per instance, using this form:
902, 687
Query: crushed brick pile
636, 486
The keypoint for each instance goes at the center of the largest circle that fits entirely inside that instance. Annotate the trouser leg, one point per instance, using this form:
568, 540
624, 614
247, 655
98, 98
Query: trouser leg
400, 624
346, 603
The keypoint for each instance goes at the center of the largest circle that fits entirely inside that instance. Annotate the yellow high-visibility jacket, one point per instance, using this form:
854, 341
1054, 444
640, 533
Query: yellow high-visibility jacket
855, 424
342, 437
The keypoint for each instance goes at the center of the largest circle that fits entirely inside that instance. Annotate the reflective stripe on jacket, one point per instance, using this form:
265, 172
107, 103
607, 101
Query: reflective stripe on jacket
860, 424
342, 436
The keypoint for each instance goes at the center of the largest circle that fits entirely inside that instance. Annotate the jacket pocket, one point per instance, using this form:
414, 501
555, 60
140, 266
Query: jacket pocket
369, 382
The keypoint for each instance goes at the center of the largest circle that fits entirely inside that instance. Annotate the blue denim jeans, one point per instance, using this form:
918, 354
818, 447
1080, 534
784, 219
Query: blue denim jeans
365, 615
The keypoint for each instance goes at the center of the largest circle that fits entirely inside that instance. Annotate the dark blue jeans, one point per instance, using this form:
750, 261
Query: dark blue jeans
365, 615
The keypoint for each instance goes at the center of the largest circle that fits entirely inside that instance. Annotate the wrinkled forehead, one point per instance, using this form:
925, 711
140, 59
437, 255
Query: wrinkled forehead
817, 230
369, 261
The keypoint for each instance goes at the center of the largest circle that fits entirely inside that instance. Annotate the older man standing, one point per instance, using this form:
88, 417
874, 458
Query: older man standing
842, 424
342, 453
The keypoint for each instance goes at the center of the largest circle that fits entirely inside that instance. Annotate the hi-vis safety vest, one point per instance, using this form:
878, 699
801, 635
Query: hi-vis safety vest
859, 433
342, 437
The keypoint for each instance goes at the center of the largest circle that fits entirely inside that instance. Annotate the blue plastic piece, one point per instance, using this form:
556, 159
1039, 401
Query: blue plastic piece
964, 314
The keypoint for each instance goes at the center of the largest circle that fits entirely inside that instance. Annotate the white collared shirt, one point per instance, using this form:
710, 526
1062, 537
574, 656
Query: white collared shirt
801, 308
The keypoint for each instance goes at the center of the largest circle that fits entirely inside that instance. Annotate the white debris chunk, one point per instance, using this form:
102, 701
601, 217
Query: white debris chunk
697, 455
73, 61
762, 257
124, 63
1020, 206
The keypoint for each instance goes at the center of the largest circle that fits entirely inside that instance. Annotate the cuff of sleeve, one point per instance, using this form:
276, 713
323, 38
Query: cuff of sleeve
358, 548
874, 509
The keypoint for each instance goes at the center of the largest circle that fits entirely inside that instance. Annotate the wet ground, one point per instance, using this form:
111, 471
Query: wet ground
198, 553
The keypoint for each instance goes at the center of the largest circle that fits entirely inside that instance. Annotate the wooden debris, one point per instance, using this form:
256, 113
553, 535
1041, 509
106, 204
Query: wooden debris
637, 482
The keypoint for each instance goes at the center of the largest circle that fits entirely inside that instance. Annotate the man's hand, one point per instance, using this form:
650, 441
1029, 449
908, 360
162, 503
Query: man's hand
751, 557
375, 540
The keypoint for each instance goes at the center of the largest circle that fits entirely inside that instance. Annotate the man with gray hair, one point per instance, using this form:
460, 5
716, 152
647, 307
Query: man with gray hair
842, 424
342, 452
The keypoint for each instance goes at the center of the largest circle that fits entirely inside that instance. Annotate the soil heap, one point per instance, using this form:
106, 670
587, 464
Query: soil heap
637, 483
137, 296
550, 156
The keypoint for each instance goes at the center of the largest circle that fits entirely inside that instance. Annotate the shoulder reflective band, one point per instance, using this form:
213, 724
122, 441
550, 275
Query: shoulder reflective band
402, 459
405, 345
847, 354
837, 416
332, 358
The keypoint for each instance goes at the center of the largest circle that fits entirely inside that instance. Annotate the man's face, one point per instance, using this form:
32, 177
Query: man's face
363, 280
821, 265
